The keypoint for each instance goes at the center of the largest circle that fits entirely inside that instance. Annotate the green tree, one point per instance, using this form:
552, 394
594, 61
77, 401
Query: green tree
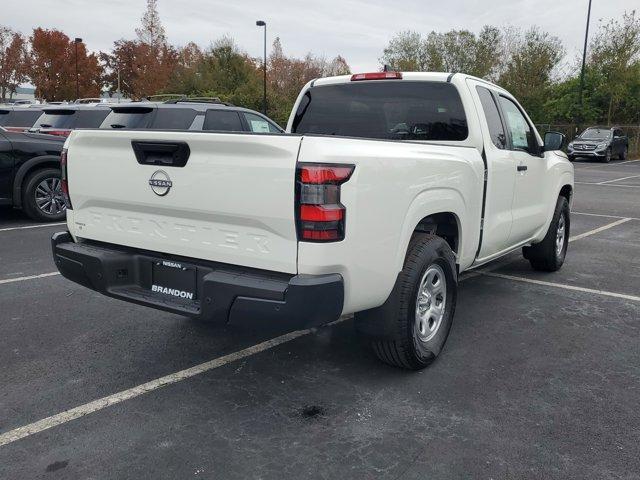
614, 60
527, 73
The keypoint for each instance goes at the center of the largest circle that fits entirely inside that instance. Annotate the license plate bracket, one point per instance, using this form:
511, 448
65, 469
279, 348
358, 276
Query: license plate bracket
175, 280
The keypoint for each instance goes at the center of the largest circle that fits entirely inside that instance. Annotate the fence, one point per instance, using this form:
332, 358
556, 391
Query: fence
570, 130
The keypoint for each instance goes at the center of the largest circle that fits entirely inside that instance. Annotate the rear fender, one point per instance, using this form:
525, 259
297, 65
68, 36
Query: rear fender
26, 168
430, 202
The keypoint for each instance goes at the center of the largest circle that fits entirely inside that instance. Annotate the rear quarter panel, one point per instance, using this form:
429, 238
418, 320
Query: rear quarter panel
393, 187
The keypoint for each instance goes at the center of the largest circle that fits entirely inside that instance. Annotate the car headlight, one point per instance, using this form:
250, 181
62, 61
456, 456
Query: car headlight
570, 145
602, 145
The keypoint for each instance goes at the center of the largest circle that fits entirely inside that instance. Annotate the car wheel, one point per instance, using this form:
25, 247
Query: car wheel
42, 196
413, 325
549, 254
607, 156
571, 158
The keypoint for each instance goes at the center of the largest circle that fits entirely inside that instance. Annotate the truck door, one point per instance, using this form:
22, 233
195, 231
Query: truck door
529, 194
501, 173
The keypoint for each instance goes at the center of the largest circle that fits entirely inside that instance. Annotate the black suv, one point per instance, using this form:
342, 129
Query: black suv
30, 174
601, 143
189, 114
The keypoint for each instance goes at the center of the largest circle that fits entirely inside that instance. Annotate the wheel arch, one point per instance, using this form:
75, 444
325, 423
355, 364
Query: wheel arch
440, 212
28, 167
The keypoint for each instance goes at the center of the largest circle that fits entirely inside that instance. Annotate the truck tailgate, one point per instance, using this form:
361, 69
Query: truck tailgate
231, 202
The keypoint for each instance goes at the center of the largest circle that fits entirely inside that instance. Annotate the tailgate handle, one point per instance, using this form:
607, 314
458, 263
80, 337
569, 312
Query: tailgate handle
165, 154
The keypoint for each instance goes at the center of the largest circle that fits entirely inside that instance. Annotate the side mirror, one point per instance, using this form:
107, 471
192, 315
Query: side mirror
553, 141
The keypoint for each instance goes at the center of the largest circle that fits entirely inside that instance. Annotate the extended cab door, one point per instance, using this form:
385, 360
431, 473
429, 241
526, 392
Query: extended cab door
529, 207
501, 172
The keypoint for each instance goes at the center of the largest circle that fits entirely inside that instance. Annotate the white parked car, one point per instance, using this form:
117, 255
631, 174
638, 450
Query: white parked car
387, 186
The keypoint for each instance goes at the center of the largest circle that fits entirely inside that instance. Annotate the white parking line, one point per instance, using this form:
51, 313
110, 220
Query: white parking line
599, 229
104, 402
562, 285
26, 227
607, 184
601, 215
29, 277
618, 179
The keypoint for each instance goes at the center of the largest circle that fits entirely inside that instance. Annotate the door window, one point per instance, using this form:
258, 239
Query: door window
222, 121
258, 124
522, 135
496, 129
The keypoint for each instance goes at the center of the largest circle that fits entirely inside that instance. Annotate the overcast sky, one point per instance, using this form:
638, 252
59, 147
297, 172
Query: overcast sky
356, 29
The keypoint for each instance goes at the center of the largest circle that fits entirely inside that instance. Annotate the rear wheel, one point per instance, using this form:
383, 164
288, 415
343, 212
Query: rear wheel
42, 196
413, 325
549, 254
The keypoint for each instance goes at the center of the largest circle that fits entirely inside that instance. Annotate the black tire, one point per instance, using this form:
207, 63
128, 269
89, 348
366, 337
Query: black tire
29, 203
547, 256
623, 154
571, 158
393, 330
607, 156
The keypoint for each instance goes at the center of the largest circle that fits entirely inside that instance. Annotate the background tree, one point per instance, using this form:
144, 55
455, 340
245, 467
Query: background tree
13, 61
52, 67
147, 64
614, 63
527, 72
452, 51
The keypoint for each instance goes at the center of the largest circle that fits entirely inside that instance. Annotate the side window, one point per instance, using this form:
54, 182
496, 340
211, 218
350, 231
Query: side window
222, 121
173, 118
258, 124
522, 135
496, 130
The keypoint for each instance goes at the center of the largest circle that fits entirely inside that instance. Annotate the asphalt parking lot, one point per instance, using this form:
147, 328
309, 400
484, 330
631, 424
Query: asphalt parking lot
540, 377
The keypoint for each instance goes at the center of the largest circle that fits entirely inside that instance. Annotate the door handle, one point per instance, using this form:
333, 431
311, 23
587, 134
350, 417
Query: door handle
522, 168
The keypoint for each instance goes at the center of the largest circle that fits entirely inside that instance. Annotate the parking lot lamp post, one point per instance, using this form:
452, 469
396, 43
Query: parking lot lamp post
584, 58
261, 23
76, 42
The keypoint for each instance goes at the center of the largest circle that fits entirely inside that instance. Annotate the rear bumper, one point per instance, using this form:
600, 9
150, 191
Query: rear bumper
224, 293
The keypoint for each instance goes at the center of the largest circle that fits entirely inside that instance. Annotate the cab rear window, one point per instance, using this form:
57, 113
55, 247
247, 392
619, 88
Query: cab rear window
392, 110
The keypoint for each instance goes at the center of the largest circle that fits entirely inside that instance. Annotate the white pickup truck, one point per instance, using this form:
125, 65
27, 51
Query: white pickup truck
384, 189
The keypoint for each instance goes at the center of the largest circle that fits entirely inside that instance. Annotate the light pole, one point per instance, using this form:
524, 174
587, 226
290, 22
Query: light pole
261, 23
76, 42
584, 58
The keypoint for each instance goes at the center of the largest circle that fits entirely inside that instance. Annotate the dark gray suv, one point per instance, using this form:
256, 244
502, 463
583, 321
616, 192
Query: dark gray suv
188, 114
602, 143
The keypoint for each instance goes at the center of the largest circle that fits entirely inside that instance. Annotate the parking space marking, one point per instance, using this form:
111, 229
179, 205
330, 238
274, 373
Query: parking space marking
104, 402
26, 227
599, 229
29, 277
602, 215
561, 285
618, 179
607, 184
589, 166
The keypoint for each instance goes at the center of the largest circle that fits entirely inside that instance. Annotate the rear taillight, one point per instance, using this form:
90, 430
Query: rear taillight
376, 76
64, 184
320, 215
58, 133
